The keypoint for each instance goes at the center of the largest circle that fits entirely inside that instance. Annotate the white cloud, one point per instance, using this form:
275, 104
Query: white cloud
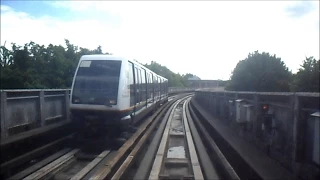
206, 38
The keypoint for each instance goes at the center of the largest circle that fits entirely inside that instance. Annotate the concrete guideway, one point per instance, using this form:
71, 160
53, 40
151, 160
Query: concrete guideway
32, 110
168, 144
254, 162
178, 151
176, 156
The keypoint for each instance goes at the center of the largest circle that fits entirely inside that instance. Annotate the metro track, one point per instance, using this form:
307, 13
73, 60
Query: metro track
170, 144
76, 159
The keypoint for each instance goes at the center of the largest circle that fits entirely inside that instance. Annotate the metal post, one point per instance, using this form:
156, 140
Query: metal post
41, 108
296, 128
224, 107
4, 130
255, 120
67, 99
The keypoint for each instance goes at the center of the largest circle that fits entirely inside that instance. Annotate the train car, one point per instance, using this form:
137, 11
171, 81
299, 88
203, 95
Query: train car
114, 93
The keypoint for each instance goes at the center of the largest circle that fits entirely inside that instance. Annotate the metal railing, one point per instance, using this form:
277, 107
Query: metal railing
274, 121
27, 109
23, 110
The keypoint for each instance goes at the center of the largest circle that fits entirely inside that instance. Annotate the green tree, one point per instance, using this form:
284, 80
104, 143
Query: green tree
37, 66
5, 56
53, 66
174, 80
260, 72
307, 78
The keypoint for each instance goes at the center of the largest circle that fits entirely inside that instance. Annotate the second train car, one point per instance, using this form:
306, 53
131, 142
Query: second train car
111, 93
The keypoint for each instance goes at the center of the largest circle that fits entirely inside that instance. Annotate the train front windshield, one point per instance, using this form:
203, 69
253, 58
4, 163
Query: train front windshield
97, 83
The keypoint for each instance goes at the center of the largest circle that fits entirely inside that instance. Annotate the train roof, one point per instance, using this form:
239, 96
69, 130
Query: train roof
97, 57
94, 57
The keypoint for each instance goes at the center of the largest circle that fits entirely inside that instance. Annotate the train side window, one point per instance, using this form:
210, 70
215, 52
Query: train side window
158, 89
137, 78
140, 86
151, 87
167, 87
162, 86
144, 85
159, 86
155, 95
148, 86
131, 84
156, 86
160, 79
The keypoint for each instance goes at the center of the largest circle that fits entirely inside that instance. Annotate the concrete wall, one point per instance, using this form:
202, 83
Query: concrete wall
285, 136
203, 83
23, 110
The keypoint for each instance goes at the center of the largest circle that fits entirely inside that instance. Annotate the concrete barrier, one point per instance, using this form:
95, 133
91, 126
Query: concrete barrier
23, 110
283, 125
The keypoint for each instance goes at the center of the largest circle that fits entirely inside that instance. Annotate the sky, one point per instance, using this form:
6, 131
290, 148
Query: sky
205, 38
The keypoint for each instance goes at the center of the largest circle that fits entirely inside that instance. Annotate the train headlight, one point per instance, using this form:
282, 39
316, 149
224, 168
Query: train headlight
113, 102
75, 99
265, 108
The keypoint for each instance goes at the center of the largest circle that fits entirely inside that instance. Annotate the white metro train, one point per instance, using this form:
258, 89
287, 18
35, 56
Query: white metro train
111, 91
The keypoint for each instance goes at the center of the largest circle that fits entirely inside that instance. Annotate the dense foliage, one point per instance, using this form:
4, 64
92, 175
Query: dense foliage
35, 66
265, 73
175, 80
307, 78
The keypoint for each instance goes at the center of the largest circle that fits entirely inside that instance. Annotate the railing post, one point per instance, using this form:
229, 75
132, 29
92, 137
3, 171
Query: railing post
255, 121
225, 106
67, 104
296, 130
4, 130
42, 108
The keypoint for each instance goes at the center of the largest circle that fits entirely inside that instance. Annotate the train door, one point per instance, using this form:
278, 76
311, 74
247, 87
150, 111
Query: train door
140, 89
155, 88
150, 88
144, 87
132, 86
161, 88
167, 89
137, 89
